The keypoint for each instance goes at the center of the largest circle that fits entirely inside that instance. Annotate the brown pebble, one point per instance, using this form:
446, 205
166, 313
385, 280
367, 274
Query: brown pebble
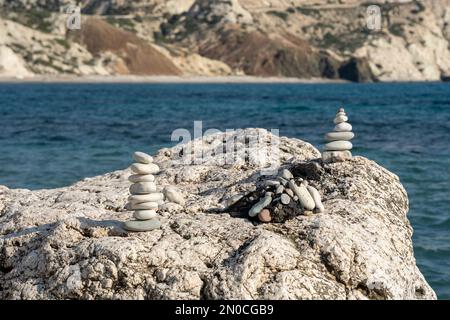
307, 213
264, 215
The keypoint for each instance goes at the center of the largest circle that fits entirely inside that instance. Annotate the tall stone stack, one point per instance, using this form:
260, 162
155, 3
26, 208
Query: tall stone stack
144, 199
338, 144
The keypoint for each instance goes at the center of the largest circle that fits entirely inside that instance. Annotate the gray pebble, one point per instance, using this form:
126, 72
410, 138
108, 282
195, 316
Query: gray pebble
279, 190
271, 183
285, 199
138, 225
303, 195
261, 204
289, 192
283, 181
173, 195
286, 174
233, 199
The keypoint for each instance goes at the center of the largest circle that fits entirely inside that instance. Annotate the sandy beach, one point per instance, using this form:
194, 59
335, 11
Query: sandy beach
160, 79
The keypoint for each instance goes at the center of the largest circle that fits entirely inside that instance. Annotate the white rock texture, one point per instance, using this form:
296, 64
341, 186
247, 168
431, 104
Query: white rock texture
68, 243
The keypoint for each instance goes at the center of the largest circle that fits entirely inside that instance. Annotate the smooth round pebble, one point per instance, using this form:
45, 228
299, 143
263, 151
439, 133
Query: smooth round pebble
340, 119
289, 192
140, 226
343, 126
286, 174
143, 206
317, 199
144, 168
338, 146
261, 204
303, 195
142, 157
144, 214
335, 136
232, 200
173, 195
140, 198
285, 199
271, 183
141, 178
279, 190
283, 181
142, 188
264, 215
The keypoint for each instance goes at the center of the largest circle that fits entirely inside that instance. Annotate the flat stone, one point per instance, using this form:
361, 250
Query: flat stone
303, 195
141, 198
335, 136
286, 174
289, 192
142, 188
338, 146
271, 183
141, 226
317, 199
143, 206
261, 204
343, 126
232, 200
264, 215
285, 199
144, 214
173, 195
336, 156
279, 190
144, 168
141, 178
283, 181
142, 157
340, 119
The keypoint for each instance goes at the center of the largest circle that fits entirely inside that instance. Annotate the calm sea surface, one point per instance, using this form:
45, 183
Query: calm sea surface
52, 135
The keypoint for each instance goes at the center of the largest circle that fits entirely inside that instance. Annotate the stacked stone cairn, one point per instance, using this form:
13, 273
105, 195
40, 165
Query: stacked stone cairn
144, 199
338, 144
285, 197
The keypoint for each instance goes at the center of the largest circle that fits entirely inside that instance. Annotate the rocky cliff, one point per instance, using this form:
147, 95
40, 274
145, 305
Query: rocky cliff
295, 38
69, 243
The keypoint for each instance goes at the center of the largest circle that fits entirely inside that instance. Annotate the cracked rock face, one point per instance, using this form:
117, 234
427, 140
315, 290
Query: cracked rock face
68, 242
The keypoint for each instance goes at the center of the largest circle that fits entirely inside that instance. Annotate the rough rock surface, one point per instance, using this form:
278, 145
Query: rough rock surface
69, 242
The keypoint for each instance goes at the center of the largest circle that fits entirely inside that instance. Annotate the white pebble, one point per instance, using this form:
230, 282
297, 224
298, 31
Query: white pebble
141, 178
141, 168
144, 214
142, 188
142, 157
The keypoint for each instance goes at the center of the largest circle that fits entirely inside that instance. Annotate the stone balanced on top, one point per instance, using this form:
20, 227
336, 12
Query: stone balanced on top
338, 147
144, 199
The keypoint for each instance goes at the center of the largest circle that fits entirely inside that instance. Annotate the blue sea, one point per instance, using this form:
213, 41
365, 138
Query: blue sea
52, 135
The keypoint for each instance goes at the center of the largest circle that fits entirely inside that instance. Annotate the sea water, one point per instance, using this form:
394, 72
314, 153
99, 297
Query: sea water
52, 135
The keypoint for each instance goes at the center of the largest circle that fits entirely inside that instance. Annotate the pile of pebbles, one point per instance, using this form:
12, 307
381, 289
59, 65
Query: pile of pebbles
338, 144
144, 199
285, 198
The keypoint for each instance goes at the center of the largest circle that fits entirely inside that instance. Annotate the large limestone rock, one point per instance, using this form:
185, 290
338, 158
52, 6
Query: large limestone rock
68, 242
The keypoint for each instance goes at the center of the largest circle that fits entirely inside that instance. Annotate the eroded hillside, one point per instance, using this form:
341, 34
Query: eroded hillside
295, 38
